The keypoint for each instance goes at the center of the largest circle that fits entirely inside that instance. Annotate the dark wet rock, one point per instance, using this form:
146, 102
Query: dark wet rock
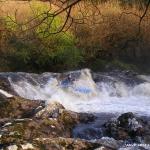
124, 119
125, 127
17, 107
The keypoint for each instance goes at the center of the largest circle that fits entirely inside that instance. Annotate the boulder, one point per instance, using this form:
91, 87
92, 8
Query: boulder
127, 126
56, 110
52, 110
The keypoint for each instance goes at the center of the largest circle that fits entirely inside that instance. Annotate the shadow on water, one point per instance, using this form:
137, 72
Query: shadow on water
93, 130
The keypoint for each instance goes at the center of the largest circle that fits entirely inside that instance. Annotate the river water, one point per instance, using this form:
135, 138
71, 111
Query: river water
83, 91
105, 94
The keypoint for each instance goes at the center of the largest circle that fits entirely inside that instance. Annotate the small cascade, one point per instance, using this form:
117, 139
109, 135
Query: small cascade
83, 91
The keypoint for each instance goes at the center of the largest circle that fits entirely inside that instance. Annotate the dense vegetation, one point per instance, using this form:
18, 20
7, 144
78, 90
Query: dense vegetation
110, 43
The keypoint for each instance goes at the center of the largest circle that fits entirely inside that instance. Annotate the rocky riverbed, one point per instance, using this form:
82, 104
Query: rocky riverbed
28, 124
43, 127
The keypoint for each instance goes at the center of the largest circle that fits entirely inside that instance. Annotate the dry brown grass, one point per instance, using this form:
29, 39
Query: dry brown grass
117, 31
109, 31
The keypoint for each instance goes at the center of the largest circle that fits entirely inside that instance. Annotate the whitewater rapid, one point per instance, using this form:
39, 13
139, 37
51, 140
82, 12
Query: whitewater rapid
83, 91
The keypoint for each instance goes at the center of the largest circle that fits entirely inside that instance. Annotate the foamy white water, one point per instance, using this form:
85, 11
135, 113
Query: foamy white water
77, 91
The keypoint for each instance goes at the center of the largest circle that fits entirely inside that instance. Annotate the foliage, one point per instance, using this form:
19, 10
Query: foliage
36, 50
84, 45
10, 23
34, 56
62, 54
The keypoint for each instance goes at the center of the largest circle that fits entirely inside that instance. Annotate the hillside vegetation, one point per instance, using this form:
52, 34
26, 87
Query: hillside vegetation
108, 40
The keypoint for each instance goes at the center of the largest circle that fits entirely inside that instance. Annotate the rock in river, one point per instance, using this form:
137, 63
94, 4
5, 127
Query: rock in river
126, 127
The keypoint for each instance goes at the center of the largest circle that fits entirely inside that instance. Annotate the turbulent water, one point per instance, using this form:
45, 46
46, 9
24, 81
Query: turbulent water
83, 91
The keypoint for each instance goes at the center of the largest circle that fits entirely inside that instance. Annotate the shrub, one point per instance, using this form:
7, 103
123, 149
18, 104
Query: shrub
54, 52
60, 54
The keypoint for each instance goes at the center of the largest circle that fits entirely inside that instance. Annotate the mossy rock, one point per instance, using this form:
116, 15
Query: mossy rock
68, 118
36, 128
17, 107
64, 143
11, 138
